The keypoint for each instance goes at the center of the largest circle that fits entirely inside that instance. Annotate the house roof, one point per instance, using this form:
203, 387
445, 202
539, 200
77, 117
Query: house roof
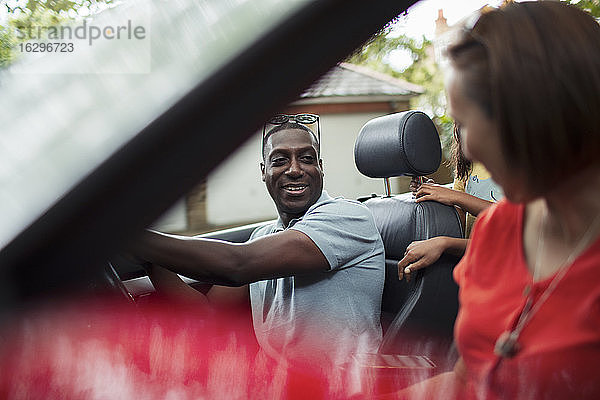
353, 81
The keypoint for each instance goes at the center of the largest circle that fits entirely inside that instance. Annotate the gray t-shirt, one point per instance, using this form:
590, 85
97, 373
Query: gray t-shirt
336, 312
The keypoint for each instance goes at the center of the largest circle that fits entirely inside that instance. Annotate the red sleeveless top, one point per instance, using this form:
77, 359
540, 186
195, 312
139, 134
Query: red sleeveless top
559, 353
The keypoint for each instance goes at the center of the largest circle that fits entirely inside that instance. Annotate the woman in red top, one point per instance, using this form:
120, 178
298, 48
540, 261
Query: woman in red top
525, 87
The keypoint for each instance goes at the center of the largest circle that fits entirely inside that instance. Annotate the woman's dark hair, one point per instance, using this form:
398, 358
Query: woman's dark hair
462, 165
534, 69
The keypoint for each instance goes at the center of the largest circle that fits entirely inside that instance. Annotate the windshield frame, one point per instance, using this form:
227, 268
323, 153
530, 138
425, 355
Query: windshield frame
105, 211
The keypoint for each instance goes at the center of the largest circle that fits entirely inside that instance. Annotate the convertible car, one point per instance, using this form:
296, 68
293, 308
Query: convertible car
90, 158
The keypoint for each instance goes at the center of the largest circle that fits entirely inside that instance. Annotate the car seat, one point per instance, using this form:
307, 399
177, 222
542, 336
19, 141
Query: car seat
417, 316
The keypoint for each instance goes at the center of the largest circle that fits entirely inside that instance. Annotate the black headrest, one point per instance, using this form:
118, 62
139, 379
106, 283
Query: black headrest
405, 143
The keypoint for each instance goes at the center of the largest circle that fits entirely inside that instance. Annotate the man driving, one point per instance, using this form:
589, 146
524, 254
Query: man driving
315, 276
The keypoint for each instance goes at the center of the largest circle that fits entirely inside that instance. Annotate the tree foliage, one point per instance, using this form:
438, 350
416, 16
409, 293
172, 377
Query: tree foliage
373, 53
70, 7
23, 15
591, 6
423, 70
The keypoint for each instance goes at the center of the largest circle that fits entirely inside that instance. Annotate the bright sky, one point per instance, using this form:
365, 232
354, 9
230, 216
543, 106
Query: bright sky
420, 21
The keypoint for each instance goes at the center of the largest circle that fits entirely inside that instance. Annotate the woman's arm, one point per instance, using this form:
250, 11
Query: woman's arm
423, 253
471, 204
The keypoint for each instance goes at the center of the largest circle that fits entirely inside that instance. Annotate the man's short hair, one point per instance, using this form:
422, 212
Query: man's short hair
288, 126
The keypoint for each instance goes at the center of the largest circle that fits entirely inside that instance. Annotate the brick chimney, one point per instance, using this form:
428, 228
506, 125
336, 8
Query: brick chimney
441, 24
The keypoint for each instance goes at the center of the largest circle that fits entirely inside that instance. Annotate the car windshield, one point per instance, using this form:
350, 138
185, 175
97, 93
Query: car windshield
64, 113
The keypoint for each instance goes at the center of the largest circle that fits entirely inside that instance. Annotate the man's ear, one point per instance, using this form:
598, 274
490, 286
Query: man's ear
321, 165
262, 171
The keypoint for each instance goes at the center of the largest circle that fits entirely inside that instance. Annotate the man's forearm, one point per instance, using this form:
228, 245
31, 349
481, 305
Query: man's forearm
232, 264
205, 260
170, 285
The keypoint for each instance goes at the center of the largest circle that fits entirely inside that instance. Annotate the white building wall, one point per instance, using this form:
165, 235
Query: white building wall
235, 193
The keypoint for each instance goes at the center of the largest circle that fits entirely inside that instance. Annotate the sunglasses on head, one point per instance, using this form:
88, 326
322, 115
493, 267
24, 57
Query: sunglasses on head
302, 119
305, 119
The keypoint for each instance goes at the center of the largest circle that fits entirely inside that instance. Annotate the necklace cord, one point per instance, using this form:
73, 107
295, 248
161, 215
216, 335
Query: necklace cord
507, 341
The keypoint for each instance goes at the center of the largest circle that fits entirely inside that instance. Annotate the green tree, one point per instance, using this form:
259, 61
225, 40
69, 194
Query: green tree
591, 6
24, 16
422, 71
7, 44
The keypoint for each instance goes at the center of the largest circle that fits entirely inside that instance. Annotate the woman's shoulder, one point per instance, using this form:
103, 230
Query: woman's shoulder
495, 235
501, 215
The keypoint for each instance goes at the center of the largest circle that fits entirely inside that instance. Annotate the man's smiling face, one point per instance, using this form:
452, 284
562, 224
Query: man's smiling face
292, 172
